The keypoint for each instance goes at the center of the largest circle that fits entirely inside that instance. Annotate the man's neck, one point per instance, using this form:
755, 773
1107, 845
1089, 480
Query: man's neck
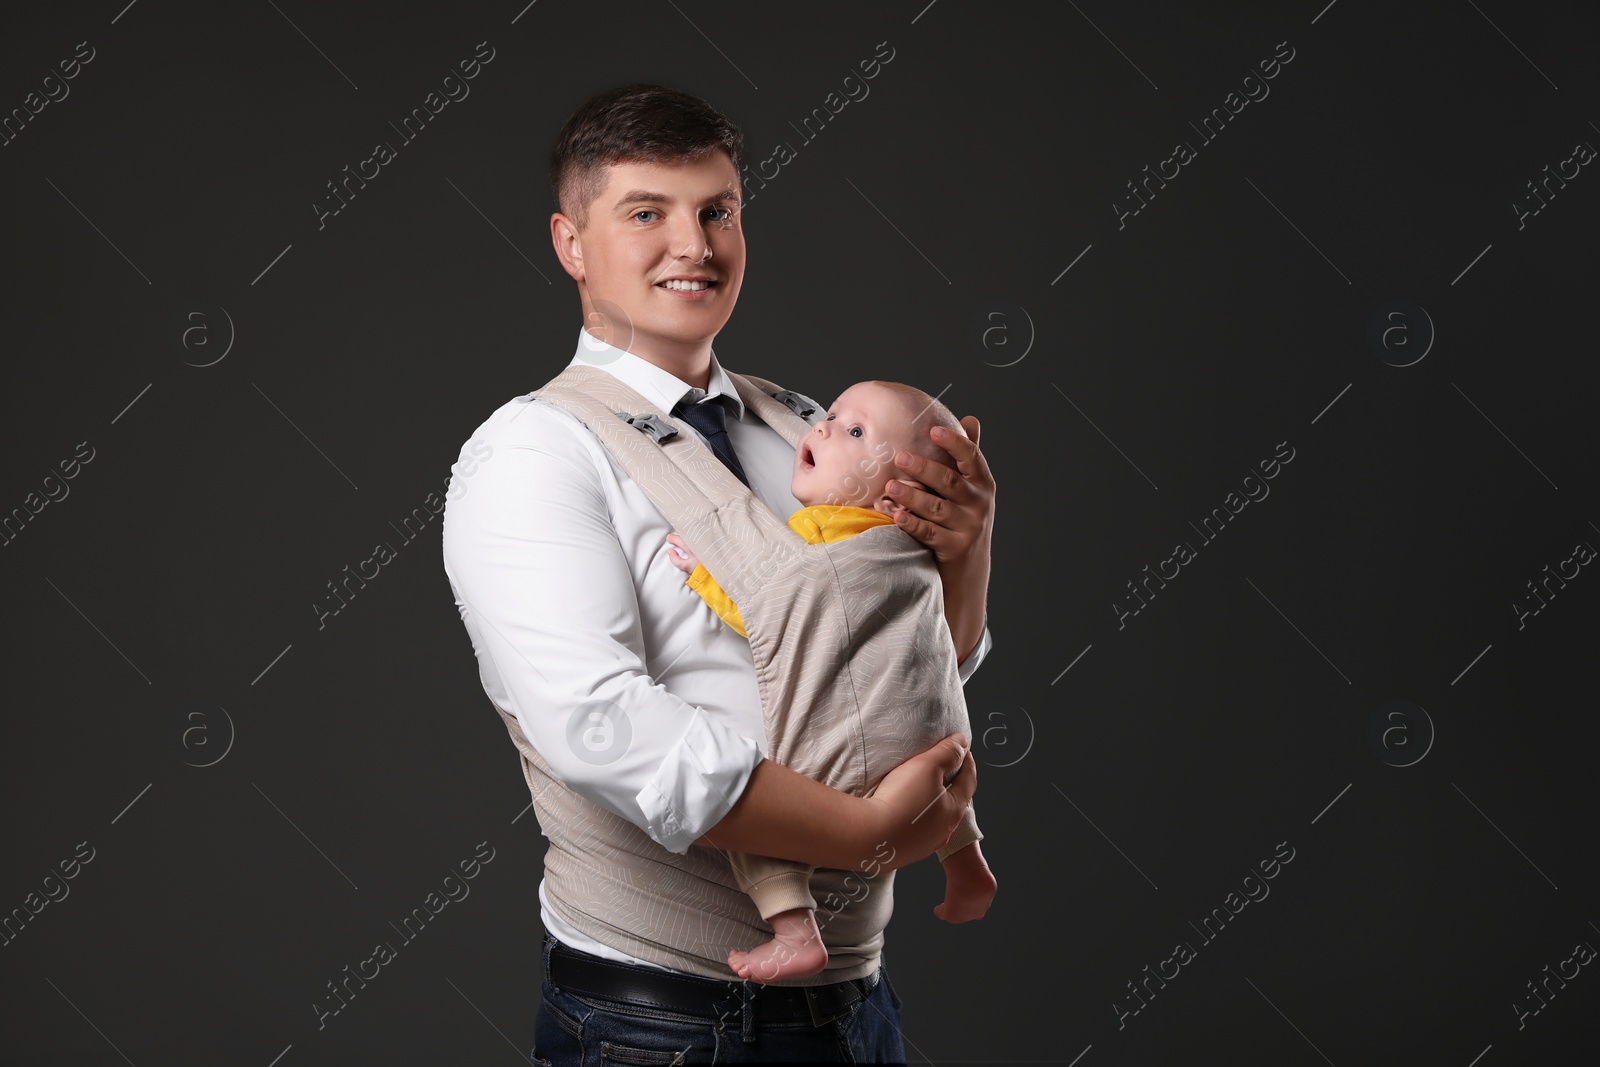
699, 378
691, 364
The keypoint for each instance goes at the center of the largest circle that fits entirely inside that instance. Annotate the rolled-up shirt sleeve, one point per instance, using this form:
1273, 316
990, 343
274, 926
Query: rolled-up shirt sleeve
548, 597
976, 656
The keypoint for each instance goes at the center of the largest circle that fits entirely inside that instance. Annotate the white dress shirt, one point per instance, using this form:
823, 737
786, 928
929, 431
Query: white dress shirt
559, 566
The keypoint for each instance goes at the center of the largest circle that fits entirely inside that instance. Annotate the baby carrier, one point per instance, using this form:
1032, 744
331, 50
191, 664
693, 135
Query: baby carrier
877, 684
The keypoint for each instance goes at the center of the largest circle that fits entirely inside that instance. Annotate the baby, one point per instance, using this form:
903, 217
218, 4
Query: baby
840, 470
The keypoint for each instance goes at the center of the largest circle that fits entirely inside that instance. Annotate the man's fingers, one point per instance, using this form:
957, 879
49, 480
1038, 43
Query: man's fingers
959, 485
958, 771
920, 528
966, 452
942, 479
952, 754
922, 502
965, 783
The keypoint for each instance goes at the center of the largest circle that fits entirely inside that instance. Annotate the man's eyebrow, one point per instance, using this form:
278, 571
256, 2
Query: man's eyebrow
646, 196
642, 196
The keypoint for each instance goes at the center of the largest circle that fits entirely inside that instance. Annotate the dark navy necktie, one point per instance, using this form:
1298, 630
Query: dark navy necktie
710, 417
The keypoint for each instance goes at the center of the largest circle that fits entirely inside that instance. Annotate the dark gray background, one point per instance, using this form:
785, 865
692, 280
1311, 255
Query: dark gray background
1123, 797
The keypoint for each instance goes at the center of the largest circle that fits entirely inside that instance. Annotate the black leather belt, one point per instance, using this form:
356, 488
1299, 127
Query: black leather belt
577, 972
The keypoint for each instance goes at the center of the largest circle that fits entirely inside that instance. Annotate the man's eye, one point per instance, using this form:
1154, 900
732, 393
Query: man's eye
855, 431
639, 215
719, 214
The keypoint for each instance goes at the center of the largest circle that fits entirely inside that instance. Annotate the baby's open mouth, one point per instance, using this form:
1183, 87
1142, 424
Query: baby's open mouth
806, 461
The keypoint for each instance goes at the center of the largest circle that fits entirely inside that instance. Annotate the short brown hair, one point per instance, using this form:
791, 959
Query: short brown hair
633, 124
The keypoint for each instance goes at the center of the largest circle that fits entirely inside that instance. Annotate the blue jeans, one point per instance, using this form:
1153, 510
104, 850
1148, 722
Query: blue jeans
589, 1031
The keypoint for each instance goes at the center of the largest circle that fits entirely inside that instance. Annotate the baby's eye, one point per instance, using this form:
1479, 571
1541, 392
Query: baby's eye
855, 431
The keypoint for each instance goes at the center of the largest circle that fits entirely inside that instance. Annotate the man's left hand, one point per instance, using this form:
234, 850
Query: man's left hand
960, 518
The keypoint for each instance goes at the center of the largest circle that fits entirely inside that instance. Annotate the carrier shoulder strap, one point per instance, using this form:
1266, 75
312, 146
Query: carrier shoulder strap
738, 538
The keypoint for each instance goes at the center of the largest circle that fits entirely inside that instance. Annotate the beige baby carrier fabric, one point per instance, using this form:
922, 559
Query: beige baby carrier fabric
856, 671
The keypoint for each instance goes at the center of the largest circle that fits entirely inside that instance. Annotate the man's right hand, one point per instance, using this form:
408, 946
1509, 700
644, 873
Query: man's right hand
783, 814
919, 803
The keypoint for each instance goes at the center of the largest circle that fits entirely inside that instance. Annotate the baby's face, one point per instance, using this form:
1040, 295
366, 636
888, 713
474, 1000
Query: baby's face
846, 458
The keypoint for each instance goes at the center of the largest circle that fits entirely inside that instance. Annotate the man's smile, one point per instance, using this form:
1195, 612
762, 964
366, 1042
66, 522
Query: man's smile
688, 288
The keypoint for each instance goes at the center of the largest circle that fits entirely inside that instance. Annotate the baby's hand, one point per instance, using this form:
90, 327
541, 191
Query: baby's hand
679, 554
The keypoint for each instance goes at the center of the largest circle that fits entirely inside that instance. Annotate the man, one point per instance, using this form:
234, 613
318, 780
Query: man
635, 710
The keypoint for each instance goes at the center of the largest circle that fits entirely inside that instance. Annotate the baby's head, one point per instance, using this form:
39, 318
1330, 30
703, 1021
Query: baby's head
847, 457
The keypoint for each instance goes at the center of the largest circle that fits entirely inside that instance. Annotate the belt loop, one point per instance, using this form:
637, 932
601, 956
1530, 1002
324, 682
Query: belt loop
549, 946
748, 1010
817, 1017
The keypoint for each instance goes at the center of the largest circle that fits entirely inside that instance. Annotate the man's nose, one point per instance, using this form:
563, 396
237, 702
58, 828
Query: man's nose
692, 242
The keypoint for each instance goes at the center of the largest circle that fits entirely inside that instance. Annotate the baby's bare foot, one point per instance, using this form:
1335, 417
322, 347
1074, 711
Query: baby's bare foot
963, 905
969, 886
795, 951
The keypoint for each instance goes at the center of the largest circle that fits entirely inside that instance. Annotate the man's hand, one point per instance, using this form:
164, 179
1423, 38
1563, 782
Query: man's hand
784, 814
680, 555
919, 803
958, 521
957, 524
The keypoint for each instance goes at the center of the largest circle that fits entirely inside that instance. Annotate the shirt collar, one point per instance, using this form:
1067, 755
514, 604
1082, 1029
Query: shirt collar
661, 387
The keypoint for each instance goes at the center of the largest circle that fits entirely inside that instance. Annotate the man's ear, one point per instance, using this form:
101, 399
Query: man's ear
568, 243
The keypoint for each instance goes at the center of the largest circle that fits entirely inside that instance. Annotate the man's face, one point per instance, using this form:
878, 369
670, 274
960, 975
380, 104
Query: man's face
661, 259
846, 457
